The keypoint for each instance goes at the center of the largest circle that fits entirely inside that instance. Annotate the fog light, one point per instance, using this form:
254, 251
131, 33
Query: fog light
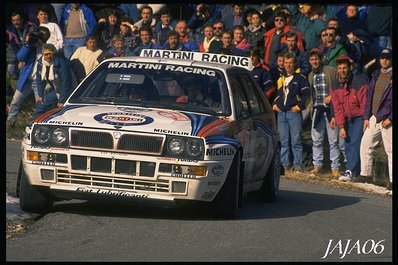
34, 156
47, 174
178, 187
198, 170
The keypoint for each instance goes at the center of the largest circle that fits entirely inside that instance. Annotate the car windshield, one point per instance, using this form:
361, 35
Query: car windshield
156, 85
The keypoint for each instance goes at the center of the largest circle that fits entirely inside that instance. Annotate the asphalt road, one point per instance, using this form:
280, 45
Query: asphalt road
307, 221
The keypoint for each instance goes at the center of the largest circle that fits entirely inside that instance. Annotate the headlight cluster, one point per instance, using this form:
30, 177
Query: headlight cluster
185, 147
50, 135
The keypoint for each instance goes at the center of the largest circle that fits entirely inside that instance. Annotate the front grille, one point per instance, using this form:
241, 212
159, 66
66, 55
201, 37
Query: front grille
140, 143
128, 142
98, 140
112, 182
121, 166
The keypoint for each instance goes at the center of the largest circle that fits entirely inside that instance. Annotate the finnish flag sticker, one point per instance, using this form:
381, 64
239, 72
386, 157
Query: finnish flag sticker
125, 77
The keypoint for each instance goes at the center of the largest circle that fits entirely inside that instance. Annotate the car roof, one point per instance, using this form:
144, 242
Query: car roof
138, 59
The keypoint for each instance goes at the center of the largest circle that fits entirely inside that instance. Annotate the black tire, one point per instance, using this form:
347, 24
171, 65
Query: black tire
33, 199
225, 204
269, 191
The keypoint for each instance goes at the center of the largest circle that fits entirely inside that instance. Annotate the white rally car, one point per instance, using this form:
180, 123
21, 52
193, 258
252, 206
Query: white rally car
153, 130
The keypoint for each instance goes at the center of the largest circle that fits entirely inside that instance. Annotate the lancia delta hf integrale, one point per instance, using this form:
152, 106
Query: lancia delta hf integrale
154, 130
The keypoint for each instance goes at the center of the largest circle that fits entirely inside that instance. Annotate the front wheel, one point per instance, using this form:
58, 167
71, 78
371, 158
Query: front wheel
226, 203
33, 199
269, 191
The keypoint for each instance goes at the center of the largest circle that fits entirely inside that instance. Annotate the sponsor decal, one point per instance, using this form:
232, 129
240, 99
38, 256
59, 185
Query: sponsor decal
113, 154
187, 176
214, 183
166, 158
217, 170
170, 132
187, 160
43, 163
112, 192
241, 61
128, 109
66, 122
167, 67
208, 195
226, 151
123, 119
173, 115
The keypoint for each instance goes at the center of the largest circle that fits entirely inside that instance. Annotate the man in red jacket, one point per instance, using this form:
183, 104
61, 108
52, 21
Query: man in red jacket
349, 99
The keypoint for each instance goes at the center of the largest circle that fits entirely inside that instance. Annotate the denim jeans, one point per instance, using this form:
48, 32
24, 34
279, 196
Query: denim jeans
19, 96
354, 132
317, 135
50, 99
71, 46
290, 128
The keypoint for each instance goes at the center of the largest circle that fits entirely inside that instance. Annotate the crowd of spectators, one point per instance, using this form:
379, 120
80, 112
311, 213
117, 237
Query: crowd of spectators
301, 42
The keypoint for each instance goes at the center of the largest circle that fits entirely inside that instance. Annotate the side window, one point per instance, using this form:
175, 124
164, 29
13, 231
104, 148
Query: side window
252, 94
238, 94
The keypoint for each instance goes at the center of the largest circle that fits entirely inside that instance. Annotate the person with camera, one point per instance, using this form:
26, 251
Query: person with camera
54, 80
27, 56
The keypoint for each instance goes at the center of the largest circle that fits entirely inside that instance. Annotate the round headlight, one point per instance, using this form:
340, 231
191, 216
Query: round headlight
176, 146
41, 134
59, 136
194, 147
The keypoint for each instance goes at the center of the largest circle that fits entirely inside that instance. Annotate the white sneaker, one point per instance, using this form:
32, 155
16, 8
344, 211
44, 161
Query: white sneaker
346, 176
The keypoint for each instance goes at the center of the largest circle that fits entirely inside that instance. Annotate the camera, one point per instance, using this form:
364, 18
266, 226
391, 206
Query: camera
38, 33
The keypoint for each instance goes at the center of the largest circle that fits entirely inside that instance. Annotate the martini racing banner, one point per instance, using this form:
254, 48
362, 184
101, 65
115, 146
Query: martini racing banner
241, 61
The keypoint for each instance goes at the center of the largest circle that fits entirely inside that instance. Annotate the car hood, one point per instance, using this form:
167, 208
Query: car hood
135, 119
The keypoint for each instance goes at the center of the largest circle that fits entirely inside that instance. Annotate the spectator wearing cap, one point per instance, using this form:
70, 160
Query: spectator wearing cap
321, 79
292, 97
331, 49
349, 99
54, 81
261, 73
377, 118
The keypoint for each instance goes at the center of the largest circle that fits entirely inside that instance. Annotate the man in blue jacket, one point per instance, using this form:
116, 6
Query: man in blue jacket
292, 97
377, 118
54, 81
29, 53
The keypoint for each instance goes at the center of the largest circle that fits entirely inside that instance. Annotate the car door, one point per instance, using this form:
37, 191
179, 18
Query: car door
261, 140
